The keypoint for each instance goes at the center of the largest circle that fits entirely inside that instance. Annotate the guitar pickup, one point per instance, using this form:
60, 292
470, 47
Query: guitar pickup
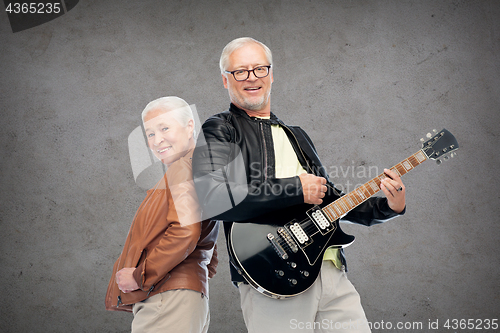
320, 220
299, 233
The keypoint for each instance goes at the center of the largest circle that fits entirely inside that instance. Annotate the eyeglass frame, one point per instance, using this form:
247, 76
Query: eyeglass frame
248, 72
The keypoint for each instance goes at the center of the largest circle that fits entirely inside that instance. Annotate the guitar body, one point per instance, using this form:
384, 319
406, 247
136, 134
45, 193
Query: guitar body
274, 259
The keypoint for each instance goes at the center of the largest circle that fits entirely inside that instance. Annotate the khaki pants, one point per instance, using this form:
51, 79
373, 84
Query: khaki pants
176, 311
332, 304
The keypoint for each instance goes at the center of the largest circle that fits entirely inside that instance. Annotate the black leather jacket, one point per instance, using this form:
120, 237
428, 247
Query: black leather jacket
233, 169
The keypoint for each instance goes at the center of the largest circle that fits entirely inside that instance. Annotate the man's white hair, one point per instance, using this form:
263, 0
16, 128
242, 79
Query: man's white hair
236, 44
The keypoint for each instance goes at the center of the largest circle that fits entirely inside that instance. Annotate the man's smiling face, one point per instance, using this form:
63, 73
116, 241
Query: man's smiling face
253, 94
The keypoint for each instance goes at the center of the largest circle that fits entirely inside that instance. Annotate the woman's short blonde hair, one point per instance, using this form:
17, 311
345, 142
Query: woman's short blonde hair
182, 110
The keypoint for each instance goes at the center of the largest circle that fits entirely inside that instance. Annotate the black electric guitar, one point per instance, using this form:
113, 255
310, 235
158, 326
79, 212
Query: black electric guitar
280, 253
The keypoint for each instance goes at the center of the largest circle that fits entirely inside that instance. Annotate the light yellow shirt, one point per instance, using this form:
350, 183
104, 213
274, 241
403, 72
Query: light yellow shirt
288, 165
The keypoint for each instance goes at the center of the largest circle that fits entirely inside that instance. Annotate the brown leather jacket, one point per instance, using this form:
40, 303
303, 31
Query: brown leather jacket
168, 246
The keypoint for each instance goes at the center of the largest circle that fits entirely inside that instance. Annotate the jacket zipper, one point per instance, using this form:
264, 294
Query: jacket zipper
166, 278
265, 150
150, 290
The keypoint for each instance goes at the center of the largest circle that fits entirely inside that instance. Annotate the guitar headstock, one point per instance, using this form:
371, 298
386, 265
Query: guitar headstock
440, 145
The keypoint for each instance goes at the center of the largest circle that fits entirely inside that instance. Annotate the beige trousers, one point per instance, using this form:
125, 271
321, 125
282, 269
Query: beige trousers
332, 304
175, 311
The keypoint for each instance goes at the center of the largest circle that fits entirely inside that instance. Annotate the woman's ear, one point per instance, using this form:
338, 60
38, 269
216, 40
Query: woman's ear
190, 126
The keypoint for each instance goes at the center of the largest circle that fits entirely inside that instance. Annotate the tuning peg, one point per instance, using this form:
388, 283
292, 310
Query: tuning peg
446, 157
434, 130
429, 135
422, 139
438, 162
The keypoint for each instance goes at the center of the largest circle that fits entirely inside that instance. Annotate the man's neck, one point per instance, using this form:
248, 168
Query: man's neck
264, 113
259, 114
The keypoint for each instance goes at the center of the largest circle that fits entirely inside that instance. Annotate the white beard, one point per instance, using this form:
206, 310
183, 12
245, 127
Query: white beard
247, 105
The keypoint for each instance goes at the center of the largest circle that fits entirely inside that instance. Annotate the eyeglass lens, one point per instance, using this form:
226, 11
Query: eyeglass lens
243, 74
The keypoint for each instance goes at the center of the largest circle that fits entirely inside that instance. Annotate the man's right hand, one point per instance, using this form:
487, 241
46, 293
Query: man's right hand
313, 187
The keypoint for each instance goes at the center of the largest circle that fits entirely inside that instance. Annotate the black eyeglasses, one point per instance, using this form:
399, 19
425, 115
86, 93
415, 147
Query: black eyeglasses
244, 74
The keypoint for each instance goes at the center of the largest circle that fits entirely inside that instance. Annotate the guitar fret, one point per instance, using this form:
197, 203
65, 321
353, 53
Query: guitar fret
407, 165
327, 210
360, 194
413, 161
349, 201
369, 189
362, 188
338, 211
365, 190
374, 186
395, 169
420, 156
401, 169
333, 212
342, 203
353, 196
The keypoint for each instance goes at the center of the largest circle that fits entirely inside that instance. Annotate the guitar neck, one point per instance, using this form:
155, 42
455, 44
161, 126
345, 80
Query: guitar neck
348, 202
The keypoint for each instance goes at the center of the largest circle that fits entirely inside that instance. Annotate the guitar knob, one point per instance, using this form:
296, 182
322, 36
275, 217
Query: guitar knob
305, 274
280, 273
293, 282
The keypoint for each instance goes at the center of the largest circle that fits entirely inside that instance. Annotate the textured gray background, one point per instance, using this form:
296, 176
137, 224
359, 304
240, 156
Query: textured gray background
366, 79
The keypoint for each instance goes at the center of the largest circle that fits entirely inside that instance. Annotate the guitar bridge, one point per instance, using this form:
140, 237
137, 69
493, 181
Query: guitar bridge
277, 247
283, 233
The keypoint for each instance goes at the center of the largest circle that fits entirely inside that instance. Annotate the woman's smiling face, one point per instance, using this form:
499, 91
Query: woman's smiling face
167, 138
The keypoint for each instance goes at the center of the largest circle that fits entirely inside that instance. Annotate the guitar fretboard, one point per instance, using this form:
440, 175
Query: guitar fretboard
346, 203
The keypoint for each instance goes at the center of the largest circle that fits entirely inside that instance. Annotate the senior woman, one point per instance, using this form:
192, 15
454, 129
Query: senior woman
163, 271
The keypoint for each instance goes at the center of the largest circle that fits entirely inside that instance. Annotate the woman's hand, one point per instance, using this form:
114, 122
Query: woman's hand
125, 280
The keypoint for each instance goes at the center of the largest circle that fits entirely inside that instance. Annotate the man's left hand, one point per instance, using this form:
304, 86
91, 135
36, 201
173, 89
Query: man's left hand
125, 280
394, 190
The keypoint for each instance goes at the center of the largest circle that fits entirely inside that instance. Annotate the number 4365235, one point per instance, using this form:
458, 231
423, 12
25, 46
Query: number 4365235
471, 324
33, 8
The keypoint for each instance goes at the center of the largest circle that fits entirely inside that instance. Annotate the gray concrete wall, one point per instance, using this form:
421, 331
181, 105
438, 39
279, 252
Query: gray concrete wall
366, 79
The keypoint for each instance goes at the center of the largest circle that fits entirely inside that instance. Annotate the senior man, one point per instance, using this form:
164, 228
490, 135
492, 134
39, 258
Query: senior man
250, 163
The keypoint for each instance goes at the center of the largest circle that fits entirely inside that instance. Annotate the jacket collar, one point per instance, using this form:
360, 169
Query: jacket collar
274, 120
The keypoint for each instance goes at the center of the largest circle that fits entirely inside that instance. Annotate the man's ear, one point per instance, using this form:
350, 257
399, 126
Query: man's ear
224, 80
